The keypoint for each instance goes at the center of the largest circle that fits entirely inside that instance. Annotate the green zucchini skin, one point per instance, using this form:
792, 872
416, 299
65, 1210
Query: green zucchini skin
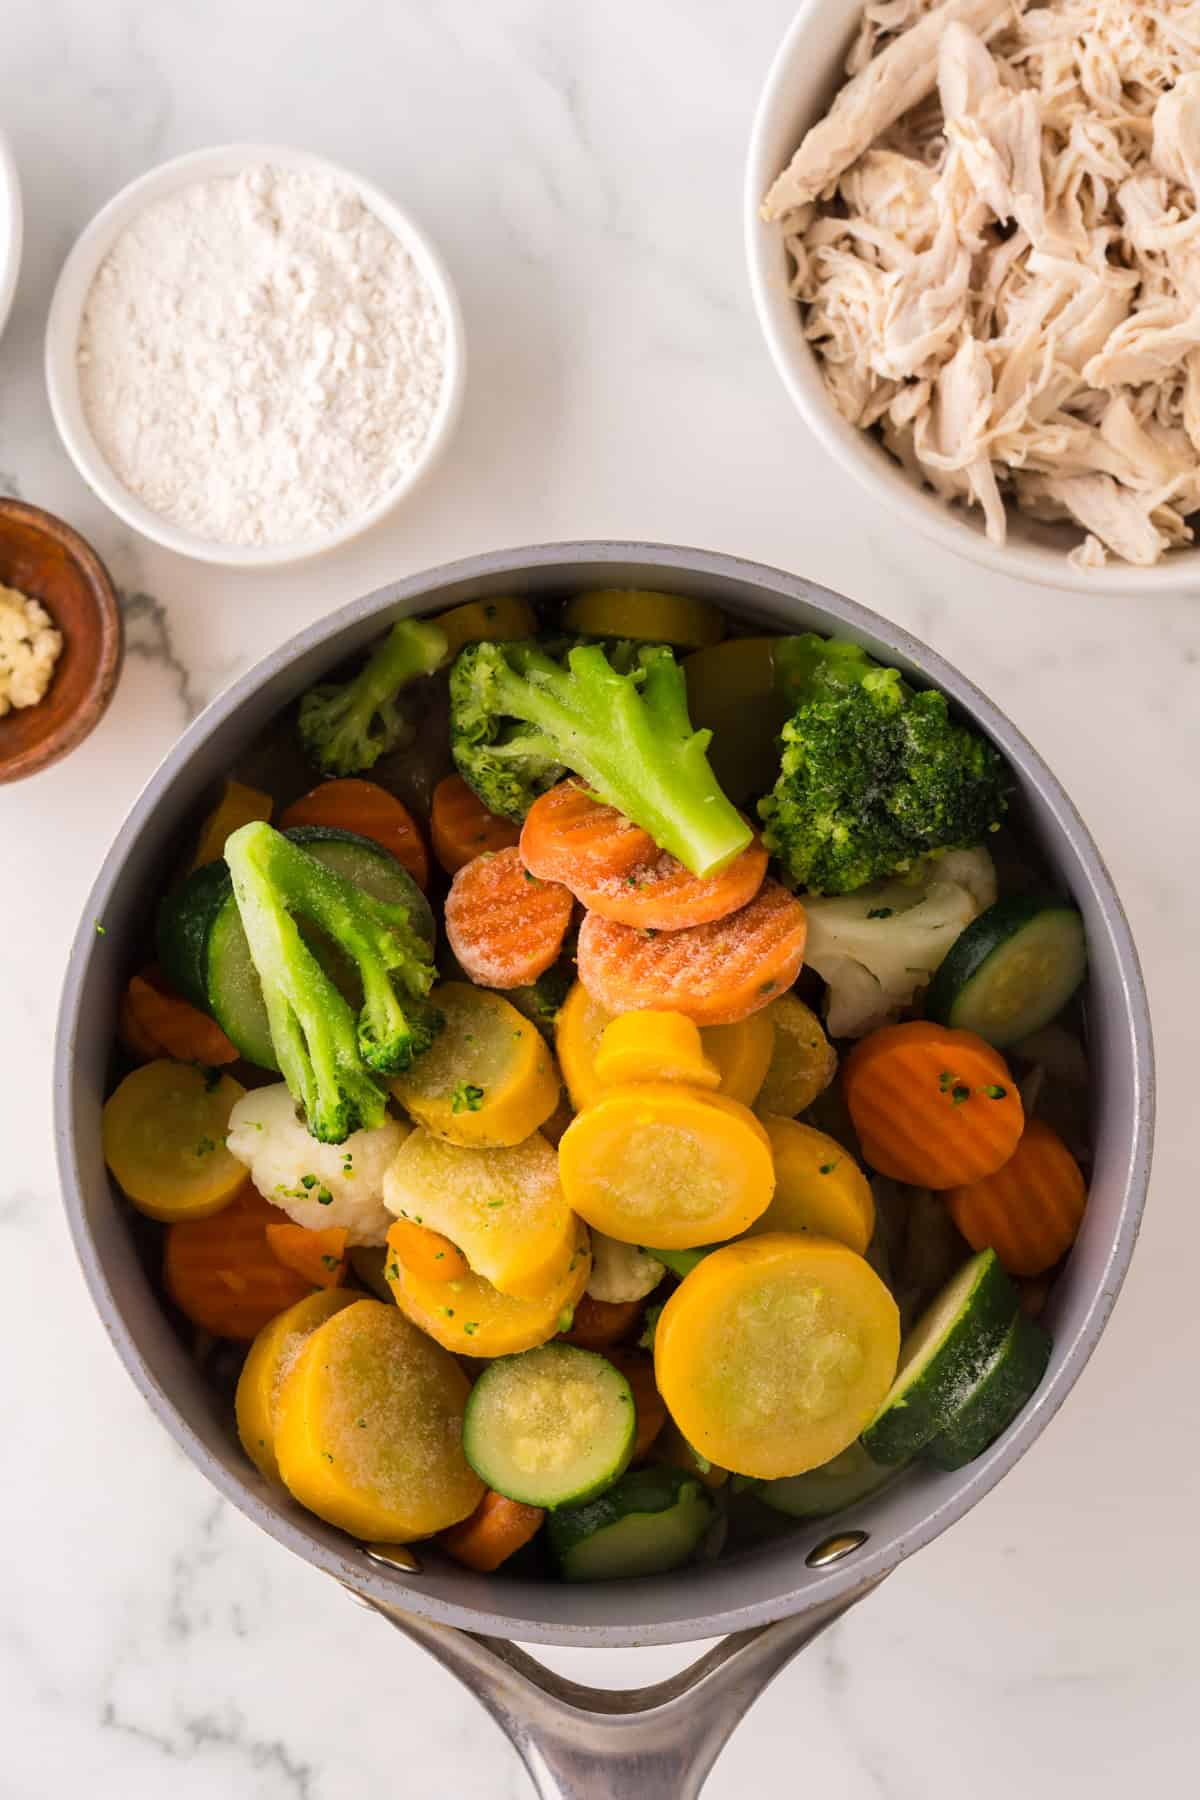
588, 1464
990, 952
849, 1478
649, 1522
943, 1359
185, 921
202, 948
1003, 1391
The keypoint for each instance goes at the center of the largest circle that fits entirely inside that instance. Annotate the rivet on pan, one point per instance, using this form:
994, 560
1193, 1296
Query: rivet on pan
396, 1556
832, 1549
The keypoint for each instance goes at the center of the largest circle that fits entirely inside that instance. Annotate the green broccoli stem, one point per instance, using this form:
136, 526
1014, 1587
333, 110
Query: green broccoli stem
413, 647
380, 939
631, 741
313, 1029
347, 728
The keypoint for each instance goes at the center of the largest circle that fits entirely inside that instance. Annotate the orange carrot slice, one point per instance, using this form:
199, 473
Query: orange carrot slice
504, 925
132, 1031
1029, 1212
154, 1021
425, 1252
661, 895
222, 1272
932, 1107
569, 837
320, 1256
599, 1324
648, 1403
369, 810
716, 974
462, 828
495, 1531
616, 869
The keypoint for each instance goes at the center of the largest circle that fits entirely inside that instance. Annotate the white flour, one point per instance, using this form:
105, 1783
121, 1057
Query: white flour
260, 359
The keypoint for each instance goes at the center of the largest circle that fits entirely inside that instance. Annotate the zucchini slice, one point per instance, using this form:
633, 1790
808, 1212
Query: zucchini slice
650, 1521
1003, 1390
1011, 971
850, 1477
203, 950
943, 1358
551, 1427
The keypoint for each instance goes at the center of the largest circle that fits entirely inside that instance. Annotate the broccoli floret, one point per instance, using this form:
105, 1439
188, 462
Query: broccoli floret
873, 775
521, 719
330, 1057
347, 727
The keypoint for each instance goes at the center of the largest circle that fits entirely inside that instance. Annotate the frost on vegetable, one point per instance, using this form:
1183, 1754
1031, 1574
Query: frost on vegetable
317, 1185
521, 719
329, 1054
873, 775
346, 727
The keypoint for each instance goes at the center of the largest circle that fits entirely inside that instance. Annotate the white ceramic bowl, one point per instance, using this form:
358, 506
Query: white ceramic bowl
12, 229
805, 75
66, 312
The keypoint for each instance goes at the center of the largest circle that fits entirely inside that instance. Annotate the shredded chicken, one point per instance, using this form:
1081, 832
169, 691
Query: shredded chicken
996, 239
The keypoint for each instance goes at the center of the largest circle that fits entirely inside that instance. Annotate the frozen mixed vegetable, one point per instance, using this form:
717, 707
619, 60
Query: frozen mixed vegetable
612, 1178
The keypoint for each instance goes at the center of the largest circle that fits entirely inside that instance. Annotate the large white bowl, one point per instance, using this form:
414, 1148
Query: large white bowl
805, 75
11, 229
66, 313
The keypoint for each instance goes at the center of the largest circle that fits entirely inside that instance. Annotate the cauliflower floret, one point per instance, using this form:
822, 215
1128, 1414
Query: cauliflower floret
315, 1184
621, 1271
876, 947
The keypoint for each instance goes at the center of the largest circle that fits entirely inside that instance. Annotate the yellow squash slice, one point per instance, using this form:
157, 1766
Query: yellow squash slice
164, 1140
663, 1165
504, 1209
473, 1318
267, 1365
368, 1430
774, 1353
818, 1187
488, 1079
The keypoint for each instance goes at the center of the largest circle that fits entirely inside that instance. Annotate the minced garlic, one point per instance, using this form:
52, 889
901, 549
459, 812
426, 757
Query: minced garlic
29, 649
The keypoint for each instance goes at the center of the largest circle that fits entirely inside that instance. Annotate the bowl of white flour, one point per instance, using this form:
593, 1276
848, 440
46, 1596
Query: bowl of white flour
253, 355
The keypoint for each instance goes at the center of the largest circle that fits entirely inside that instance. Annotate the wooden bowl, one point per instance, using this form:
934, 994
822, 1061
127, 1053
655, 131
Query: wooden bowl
44, 559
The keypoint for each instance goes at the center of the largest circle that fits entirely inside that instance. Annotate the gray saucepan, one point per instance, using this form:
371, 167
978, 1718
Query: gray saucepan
767, 1603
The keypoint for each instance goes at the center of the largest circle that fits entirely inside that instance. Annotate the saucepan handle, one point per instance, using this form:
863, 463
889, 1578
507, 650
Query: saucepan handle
584, 1743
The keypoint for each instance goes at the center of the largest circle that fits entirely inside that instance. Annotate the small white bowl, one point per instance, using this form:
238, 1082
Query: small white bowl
12, 229
66, 314
805, 75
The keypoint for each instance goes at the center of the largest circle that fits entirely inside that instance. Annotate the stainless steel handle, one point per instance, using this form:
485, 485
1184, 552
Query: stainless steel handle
584, 1743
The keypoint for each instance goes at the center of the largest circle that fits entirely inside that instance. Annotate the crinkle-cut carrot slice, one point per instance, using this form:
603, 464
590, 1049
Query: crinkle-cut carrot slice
371, 811
461, 827
661, 895
616, 869
153, 1021
504, 925
1029, 1212
932, 1107
716, 974
222, 1272
569, 837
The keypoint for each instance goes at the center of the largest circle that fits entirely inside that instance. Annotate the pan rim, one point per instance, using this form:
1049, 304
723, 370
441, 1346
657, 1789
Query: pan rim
389, 1586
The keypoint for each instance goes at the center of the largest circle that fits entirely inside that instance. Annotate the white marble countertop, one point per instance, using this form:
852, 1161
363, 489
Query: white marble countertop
580, 167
